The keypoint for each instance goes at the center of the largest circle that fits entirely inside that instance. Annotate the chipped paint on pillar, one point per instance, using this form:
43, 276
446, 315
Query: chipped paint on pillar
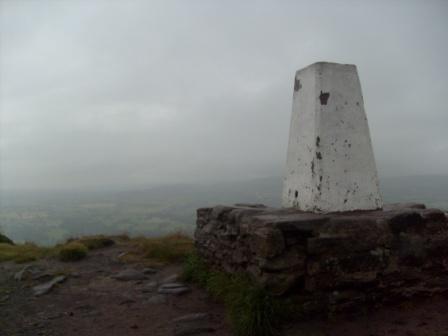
330, 163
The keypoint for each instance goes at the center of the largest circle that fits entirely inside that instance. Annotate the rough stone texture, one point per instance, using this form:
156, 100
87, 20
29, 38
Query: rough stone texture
333, 261
330, 164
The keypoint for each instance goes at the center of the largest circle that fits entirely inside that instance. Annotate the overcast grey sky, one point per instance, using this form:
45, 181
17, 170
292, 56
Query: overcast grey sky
129, 93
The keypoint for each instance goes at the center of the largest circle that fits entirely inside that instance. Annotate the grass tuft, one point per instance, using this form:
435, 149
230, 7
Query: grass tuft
73, 251
196, 270
96, 242
121, 238
23, 252
251, 309
167, 249
155, 251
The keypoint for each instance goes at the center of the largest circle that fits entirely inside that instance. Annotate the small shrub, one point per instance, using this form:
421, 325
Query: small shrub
251, 309
5, 240
73, 251
96, 242
122, 237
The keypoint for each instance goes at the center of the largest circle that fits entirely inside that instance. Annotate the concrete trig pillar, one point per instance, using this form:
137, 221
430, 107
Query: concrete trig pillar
330, 164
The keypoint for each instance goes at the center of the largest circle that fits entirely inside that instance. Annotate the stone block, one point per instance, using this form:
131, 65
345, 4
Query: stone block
267, 243
406, 221
364, 256
291, 260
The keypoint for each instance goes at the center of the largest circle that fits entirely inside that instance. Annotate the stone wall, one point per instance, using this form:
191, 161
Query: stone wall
332, 261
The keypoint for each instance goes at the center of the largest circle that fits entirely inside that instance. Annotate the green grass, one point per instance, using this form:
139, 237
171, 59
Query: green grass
95, 242
251, 309
23, 252
170, 248
72, 251
196, 270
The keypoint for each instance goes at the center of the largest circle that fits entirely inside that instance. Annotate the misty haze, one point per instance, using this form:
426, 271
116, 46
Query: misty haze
122, 118
149, 94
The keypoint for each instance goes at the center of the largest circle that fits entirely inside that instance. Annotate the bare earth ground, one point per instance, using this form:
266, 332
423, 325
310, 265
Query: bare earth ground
91, 302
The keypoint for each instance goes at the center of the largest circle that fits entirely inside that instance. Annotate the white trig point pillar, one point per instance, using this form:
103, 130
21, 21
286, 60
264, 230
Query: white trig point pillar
330, 165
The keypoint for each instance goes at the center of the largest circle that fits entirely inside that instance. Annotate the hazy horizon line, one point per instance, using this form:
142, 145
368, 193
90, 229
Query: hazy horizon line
143, 187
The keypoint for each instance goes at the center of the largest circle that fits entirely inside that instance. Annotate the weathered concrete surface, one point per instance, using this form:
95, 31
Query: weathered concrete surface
330, 162
333, 261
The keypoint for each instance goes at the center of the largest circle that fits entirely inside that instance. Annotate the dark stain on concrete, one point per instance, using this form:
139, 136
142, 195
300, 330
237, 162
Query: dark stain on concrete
297, 85
324, 97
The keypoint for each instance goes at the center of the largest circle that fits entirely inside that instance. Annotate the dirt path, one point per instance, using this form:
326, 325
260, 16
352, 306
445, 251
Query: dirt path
92, 302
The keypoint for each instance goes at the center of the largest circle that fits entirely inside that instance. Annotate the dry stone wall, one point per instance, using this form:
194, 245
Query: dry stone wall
330, 262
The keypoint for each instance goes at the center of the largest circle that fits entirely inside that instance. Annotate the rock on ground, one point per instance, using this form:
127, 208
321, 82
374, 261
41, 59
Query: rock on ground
48, 286
173, 288
129, 275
